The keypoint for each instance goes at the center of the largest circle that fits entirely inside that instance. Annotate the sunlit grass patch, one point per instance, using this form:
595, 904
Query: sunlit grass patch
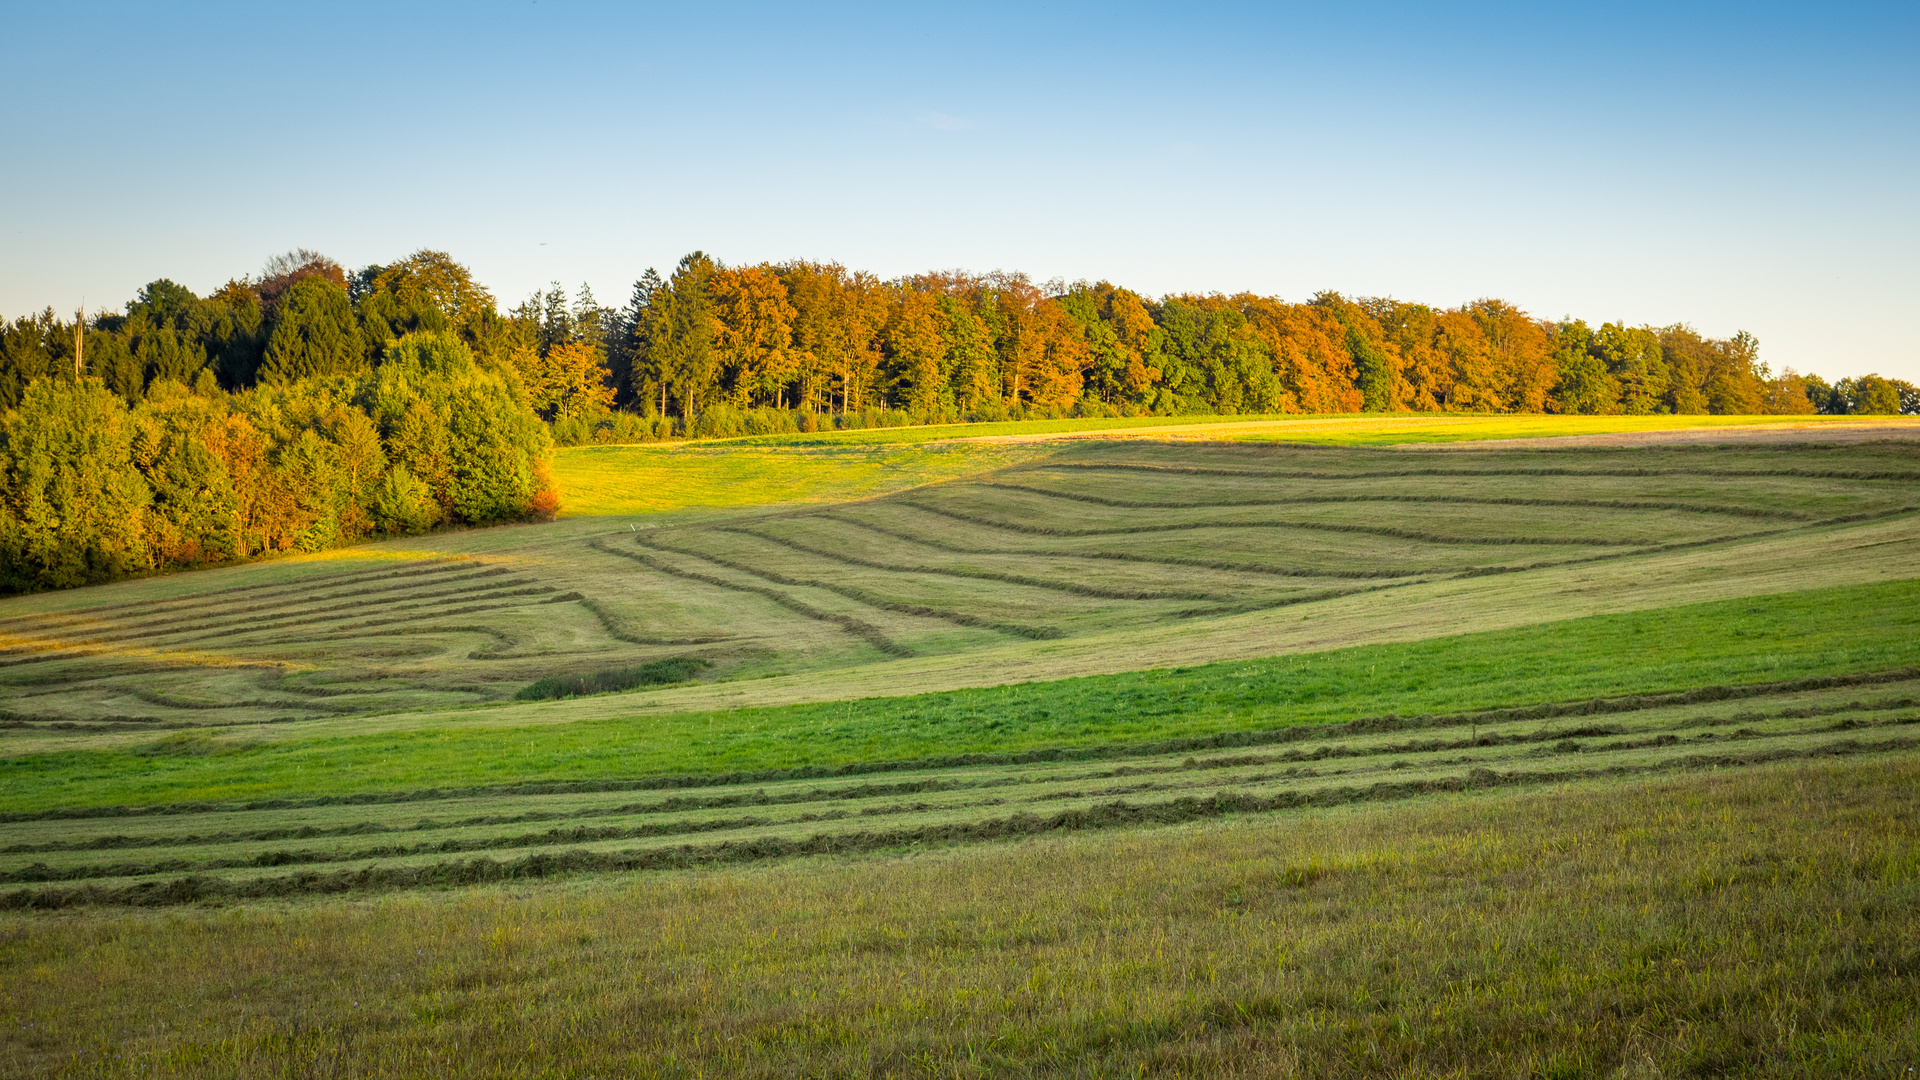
598, 480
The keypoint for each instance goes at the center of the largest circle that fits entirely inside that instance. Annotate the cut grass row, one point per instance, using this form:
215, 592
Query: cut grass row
1075, 587
1441, 499
1004, 525
1465, 472
854, 593
1329, 764
857, 627
1796, 635
581, 850
939, 543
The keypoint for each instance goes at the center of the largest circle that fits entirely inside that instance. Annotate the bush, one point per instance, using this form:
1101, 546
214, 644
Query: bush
671, 670
572, 430
624, 427
719, 421
988, 411
402, 505
770, 422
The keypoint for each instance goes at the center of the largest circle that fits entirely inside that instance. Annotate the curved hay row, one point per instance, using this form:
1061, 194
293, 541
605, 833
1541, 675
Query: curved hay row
202, 599
862, 596
1075, 588
287, 616
1125, 556
346, 611
1395, 474
1444, 500
618, 629
353, 631
1310, 526
863, 630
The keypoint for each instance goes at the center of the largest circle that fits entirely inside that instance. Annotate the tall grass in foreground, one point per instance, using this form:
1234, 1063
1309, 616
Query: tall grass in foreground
1755, 922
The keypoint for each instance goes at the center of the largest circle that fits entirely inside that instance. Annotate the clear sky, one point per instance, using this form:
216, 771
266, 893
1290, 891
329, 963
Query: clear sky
1736, 166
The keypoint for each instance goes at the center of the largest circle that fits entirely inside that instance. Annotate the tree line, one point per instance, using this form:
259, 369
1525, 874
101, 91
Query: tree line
712, 346
307, 406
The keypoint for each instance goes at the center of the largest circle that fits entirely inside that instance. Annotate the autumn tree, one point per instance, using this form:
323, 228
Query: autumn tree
1375, 363
915, 346
753, 342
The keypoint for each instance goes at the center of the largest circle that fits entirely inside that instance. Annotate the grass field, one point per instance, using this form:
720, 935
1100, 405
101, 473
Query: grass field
836, 466
1723, 922
1229, 715
1783, 638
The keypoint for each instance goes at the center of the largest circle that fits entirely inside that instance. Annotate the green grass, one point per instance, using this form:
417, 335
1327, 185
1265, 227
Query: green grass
671, 670
833, 466
332, 843
1673, 838
1821, 632
1746, 923
994, 429
653, 479
1093, 558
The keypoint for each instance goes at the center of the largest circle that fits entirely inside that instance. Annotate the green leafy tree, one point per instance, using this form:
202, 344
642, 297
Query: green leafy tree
674, 350
31, 348
1585, 385
401, 504
314, 333
75, 506
459, 430
1638, 364
191, 519
1870, 395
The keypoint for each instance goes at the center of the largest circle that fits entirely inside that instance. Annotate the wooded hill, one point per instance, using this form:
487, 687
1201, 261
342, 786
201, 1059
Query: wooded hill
308, 407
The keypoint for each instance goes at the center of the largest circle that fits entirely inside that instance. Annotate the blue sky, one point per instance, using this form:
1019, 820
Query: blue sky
1732, 166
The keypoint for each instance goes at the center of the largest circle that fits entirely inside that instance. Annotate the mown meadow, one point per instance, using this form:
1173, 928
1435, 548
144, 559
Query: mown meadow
1719, 922
1041, 757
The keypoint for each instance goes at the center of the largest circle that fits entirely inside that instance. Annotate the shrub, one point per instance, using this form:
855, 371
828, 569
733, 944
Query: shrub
625, 427
671, 670
402, 504
770, 422
719, 421
572, 430
988, 411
